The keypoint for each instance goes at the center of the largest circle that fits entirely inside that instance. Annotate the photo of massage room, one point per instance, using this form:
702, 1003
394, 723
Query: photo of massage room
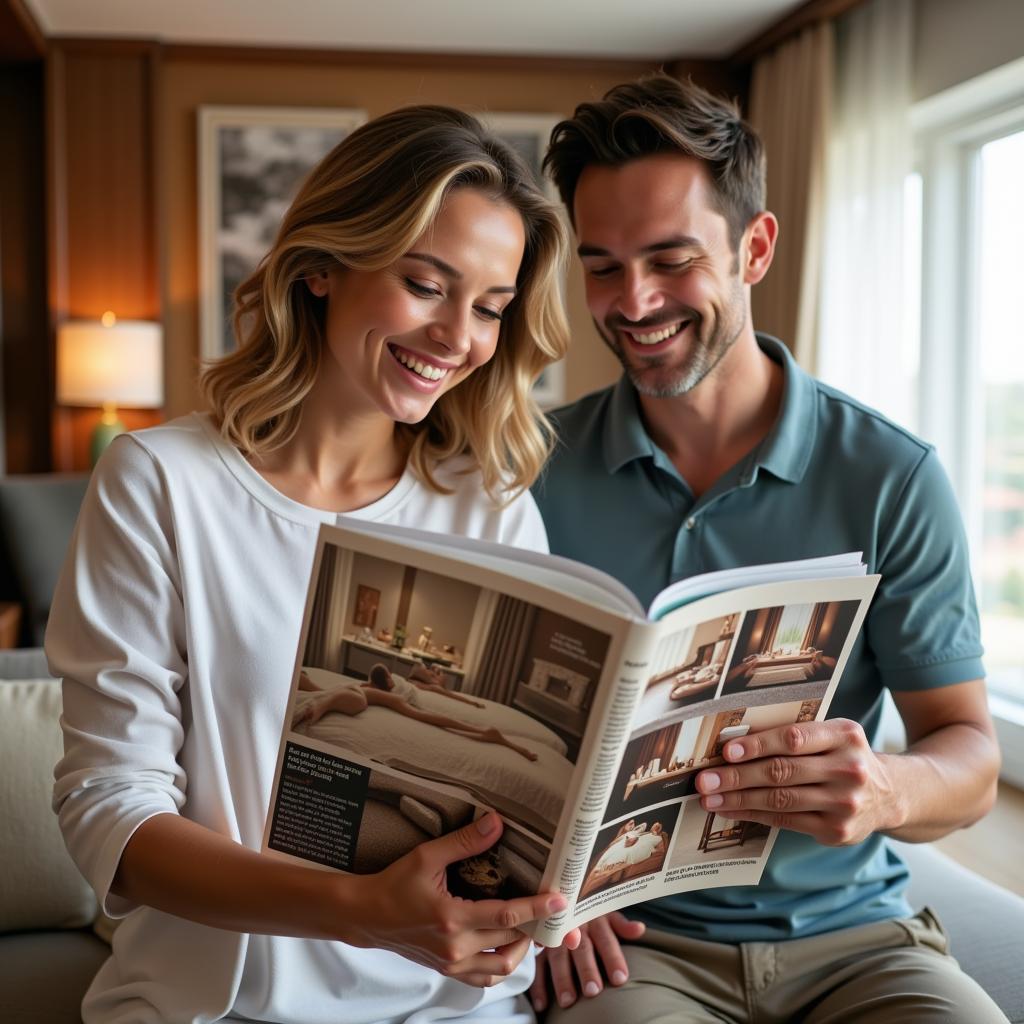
501, 718
688, 667
630, 849
705, 838
399, 814
790, 649
663, 764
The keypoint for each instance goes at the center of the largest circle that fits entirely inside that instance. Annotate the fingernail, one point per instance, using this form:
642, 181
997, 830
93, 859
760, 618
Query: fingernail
733, 751
538, 1004
565, 998
591, 989
710, 780
712, 801
487, 824
557, 903
619, 978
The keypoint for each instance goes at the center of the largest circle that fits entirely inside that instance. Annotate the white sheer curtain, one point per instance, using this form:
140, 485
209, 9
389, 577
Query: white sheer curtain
861, 343
790, 99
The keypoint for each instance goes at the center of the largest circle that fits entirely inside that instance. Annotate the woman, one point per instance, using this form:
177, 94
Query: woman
388, 343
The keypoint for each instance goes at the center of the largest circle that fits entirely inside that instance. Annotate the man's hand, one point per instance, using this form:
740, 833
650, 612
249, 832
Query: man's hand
580, 969
820, 778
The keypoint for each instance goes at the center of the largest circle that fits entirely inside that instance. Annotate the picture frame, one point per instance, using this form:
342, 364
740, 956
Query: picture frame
367, 604
528, 135
251, 163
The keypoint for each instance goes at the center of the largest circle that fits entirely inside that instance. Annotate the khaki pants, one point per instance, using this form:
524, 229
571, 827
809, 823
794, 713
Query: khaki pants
891, 972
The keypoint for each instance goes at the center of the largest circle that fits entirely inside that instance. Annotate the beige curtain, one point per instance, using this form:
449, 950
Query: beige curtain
507, 640
790, 106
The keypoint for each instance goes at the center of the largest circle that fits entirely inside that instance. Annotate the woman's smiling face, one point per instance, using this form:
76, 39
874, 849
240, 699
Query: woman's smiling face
400, 337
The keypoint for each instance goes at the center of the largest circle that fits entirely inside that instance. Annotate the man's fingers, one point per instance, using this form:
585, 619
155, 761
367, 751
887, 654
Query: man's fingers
538, 990
797, 739
624, 928
584, 962
776, 800
608, 950
850, 769
563, 981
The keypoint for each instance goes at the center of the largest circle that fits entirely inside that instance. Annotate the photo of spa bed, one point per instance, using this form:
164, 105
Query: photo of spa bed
629, 850
500, 757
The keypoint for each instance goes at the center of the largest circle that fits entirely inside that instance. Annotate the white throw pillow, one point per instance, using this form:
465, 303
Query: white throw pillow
40, 887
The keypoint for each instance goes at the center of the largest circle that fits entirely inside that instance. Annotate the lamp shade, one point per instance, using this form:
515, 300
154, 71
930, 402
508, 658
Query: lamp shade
122, 363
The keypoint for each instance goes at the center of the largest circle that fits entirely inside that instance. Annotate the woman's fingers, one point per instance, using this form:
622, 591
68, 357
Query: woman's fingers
506, 915
468, 841
490, 966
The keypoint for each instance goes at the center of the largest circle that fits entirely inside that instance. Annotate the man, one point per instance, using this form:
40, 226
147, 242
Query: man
715, 450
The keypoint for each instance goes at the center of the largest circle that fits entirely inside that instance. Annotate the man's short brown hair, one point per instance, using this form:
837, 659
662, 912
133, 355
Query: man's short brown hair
659, 114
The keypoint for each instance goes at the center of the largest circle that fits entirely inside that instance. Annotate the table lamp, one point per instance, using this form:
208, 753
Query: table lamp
109, 363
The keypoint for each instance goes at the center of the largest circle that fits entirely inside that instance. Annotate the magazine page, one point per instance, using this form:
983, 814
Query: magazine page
725, 667
427, 691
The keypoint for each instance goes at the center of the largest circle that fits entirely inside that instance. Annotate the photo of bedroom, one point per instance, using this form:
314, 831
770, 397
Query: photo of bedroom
398, 814
688, 667
705, 837
663, 764
492, 697
629, 849
790, 648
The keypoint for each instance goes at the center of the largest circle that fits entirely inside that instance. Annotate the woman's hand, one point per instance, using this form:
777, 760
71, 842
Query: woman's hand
406, 908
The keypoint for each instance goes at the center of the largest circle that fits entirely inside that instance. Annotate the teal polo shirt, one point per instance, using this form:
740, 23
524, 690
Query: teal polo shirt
831, 476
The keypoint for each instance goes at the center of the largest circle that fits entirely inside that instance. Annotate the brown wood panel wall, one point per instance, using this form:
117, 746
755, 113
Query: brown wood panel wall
26, 363
121, 119
103, 222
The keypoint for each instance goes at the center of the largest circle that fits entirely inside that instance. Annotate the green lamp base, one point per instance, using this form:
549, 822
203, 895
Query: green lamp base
106, 430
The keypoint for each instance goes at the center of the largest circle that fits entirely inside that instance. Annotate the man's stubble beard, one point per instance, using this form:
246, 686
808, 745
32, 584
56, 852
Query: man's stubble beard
703, 357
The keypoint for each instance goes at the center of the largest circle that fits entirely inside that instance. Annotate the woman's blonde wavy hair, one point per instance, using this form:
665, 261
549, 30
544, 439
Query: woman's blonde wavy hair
363, 206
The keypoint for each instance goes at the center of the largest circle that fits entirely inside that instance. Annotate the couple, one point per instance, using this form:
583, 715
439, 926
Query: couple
387, 347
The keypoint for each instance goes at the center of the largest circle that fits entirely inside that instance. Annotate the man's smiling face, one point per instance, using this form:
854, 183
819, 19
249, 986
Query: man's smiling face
663, 281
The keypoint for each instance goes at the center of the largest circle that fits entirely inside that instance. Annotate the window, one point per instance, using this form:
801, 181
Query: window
970, 144
999, 467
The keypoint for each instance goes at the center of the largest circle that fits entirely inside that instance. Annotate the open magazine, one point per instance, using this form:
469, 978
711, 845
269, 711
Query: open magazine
437, 678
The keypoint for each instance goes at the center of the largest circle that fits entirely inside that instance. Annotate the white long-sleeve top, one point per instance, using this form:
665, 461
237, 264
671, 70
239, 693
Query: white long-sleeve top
174, 627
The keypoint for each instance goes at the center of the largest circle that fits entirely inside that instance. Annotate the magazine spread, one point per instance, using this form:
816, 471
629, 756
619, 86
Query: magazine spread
439, 678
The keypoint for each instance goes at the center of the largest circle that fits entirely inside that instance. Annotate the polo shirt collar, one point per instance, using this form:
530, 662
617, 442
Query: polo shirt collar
625, 437
785, 452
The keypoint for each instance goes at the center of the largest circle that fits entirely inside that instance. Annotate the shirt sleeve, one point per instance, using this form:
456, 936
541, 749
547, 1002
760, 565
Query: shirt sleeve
522, 526
923, 623
116, 636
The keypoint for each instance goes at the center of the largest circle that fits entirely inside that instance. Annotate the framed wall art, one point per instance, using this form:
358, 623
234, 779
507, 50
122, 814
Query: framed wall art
251, 163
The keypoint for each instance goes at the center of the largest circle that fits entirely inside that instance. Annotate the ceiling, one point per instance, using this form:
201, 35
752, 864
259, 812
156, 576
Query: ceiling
641, 29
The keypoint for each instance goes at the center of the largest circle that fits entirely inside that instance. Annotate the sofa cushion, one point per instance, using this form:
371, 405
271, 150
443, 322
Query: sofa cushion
985, 922
40, 887
43, 975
